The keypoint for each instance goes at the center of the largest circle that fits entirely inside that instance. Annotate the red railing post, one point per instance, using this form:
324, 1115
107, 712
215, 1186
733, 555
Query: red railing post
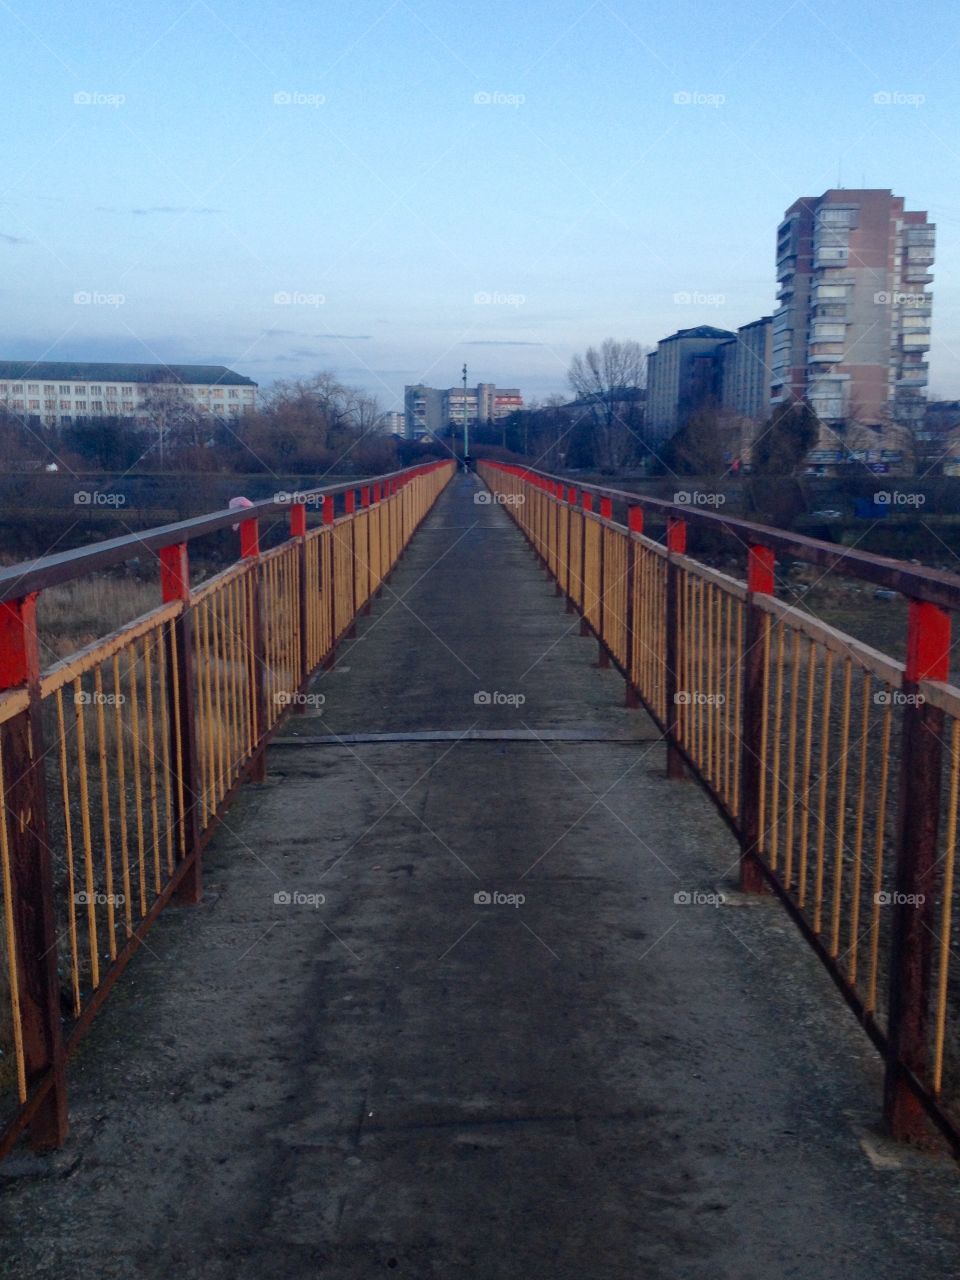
572, 504
634, 525
181, 710
760, 581
676, 545
350, 507
913, 922
556, 492
298, 530
586, 504
250, 550
30, 886
606, 513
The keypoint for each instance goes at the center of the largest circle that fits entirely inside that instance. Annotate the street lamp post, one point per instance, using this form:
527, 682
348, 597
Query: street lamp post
466, 428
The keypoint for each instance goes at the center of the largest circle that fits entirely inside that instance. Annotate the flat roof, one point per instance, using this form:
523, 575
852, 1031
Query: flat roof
52, 370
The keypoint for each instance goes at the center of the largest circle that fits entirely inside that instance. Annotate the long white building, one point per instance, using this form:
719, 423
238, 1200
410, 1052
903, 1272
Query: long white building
56, 393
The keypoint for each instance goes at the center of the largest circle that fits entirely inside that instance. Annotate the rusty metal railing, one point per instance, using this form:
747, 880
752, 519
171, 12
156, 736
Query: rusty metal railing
836, 766
117, 763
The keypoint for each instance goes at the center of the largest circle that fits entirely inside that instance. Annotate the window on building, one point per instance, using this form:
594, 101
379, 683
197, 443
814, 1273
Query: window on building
34, 404
18, 386
128, 406
64, 390
80, 391
234, 395
33, 386
96, 406
837, 216
49, 404
96, 391
64, 404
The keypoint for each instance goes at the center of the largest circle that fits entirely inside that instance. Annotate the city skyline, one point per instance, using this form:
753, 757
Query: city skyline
327, 186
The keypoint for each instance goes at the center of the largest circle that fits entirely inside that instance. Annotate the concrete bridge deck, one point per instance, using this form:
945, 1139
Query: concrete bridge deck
601, 1082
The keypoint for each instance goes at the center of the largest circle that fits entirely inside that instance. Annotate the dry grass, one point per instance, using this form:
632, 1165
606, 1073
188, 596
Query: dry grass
77, 613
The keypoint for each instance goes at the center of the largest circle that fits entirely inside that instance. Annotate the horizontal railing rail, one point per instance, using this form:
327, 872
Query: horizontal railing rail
63, 566
936, 586
836, 765
118, 762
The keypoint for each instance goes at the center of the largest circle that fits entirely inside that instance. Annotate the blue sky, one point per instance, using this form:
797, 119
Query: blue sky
433, 183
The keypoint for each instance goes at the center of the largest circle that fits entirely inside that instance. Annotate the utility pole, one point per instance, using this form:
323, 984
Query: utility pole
466, 428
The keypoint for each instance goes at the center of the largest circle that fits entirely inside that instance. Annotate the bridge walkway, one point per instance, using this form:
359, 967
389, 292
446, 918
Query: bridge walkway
604, 1081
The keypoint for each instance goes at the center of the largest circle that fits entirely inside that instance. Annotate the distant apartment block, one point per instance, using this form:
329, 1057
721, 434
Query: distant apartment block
428, 410
853, 325
58, 393
683, 374
745, 371
393, 422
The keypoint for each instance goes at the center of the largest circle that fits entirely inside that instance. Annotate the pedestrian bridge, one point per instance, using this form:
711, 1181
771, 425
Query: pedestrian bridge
472, 879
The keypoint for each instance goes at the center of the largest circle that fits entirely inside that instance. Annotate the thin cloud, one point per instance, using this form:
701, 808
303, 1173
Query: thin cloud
170, 208
5, 239
496, 342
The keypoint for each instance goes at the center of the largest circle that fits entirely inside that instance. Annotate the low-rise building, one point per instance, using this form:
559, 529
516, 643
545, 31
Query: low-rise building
58, 393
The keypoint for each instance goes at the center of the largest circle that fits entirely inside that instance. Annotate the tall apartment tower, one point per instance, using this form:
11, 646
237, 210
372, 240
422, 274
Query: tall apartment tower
853, 325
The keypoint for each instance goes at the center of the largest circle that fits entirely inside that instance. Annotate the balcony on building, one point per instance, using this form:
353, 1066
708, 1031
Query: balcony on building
830, 256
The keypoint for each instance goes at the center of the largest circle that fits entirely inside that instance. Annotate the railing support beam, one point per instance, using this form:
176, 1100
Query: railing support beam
676, 545
760, 581
913, 922
31, 874
181, 709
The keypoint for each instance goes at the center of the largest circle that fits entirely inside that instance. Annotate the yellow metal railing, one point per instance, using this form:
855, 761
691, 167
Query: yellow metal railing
117, 762
837, 766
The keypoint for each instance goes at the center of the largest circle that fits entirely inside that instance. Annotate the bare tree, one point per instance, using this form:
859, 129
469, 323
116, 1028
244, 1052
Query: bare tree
173, 419
609, 382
